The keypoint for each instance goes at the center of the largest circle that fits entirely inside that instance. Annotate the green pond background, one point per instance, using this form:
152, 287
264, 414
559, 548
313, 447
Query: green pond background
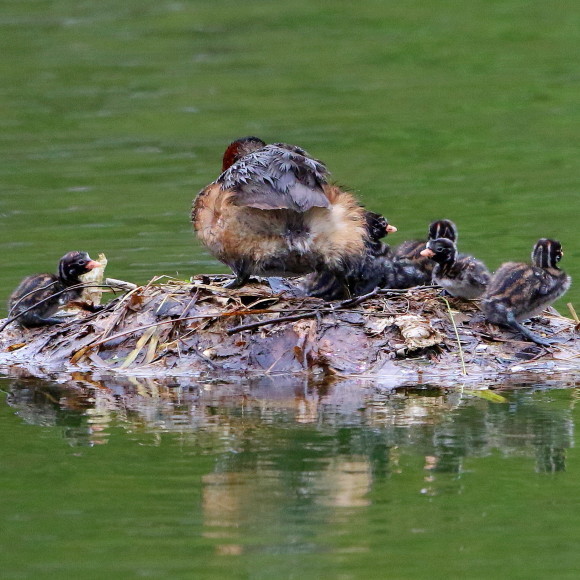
114, 114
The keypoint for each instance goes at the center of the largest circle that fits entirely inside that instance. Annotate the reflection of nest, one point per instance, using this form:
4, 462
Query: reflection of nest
170, 328
238, 422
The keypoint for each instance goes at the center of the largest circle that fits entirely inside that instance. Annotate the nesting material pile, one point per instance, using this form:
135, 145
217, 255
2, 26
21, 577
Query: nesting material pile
173, 328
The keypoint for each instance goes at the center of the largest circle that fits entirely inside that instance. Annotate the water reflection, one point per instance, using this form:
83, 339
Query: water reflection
281, 455
350, 418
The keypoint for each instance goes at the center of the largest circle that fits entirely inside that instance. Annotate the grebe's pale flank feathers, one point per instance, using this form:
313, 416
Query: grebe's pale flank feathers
374, 268
272, 212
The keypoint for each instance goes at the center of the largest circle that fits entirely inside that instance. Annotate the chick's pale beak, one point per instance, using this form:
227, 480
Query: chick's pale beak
427, 253
92, 264
391, 229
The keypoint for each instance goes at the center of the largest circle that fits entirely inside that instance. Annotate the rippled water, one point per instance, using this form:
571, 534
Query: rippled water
283, 479
114, 115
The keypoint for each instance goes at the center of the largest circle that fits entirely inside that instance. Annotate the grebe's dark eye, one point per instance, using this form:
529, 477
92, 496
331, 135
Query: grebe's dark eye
82, 262
439, 250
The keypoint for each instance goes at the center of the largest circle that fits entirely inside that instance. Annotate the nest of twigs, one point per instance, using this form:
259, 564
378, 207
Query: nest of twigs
171, 328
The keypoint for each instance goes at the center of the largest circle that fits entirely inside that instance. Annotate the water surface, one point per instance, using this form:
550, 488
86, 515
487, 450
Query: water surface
285, 479
114, 114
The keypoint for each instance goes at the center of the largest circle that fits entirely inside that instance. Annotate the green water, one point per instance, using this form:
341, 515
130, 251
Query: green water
278, 480
114, 114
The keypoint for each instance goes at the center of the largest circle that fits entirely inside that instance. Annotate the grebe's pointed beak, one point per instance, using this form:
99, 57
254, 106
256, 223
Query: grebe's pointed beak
427, 253
391, 229
92, 265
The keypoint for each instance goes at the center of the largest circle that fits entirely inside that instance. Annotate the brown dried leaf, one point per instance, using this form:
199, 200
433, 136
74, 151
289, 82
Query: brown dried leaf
460, 317
135, 302
16, 346
76, 357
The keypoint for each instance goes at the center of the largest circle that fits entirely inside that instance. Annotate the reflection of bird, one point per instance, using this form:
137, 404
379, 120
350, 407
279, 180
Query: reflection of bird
519, 291
461, 276
362, 274
272, 212
43, 287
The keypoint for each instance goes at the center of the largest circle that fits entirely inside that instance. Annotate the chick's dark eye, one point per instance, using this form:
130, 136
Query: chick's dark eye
439, 250
82, 262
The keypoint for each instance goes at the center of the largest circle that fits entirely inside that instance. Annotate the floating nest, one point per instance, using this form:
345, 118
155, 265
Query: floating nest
171, 328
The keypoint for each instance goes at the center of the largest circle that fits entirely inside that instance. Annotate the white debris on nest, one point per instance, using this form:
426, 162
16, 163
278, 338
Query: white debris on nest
93, 294
417, 331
